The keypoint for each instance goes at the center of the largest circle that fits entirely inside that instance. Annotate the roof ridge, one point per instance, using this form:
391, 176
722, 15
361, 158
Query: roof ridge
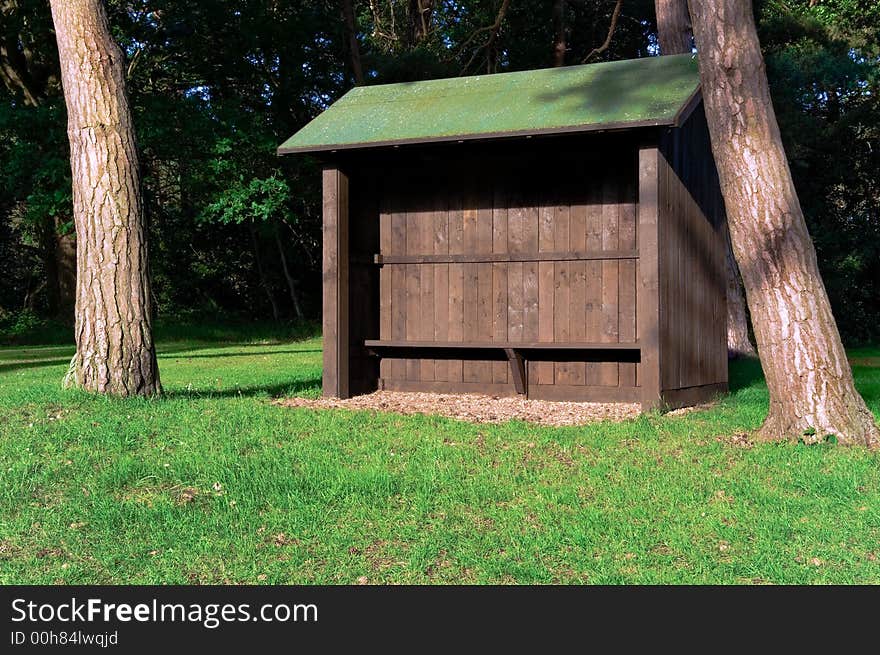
485, 76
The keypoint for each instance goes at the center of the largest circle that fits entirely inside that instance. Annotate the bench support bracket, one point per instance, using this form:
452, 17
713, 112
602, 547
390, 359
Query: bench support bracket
518, 370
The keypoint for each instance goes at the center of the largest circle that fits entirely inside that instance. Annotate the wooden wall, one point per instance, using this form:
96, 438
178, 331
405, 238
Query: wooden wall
693, 311
510, 254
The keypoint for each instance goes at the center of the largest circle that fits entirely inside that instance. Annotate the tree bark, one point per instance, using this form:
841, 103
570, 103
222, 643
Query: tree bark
809, 378
673, 26
738, 342
420, 14
675, 36
559, 43
115, 353
354, 49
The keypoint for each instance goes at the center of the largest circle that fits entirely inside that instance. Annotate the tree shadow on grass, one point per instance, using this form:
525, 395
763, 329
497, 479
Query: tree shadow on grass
744, 373
181, 354
28, 361
277, 390
19, 365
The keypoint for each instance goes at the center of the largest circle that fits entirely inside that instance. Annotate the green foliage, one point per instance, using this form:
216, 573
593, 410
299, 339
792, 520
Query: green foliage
823, 61
216, 484
17, 324
249, 200
216, 86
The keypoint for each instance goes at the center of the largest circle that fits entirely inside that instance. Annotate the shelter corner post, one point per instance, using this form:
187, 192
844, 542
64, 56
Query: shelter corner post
335, 283
649, 308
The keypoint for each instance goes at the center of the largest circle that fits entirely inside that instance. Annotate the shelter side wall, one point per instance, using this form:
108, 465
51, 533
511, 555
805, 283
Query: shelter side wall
693, 316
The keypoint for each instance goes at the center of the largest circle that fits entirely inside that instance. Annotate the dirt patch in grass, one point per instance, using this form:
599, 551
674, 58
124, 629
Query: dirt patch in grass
476, 408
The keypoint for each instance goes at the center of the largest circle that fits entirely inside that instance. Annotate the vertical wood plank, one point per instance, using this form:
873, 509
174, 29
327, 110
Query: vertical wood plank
456, 281
578, 314
675, 222
441, 284
609, 372
500, 370
398, 281
335, 283
425, 218
627, 271
682, 353
649, 308
531, 318
484, 373
470, 370
593, 274
515, 296
544, 370
385, 285
413, 289
562, 290
667, 307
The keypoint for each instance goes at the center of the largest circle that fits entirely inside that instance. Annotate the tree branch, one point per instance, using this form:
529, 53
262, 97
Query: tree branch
607, 43
493, 34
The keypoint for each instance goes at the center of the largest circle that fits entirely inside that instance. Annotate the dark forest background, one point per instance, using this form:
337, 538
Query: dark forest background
216, 86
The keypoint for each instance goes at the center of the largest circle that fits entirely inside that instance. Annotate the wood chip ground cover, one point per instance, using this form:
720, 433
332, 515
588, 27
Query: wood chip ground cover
476, 408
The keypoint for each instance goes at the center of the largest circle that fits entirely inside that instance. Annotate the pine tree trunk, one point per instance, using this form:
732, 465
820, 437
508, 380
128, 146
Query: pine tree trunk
59, 265
738, 342
676, 36
48, 246
559, 42
810, 381
354, 49
115, 353
673, 26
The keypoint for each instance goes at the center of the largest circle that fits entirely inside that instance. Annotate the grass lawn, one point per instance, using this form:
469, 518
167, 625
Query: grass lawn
214, 484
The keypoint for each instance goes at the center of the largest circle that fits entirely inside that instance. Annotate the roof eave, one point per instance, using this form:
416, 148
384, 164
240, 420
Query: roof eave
688, 107
676, 121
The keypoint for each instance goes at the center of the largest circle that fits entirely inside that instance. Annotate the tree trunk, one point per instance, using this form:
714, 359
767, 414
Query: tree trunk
58, 252
115, 353
420, 15
810, 381
354, 49
65, 261
291, 283
264, 281
559, 43
673, 26
48, 247
738, 342
675, 36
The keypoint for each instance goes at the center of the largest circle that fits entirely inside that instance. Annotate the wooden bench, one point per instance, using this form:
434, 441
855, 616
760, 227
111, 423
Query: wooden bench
515, 352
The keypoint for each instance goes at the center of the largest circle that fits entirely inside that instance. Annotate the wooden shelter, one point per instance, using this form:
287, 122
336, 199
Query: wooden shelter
553, 233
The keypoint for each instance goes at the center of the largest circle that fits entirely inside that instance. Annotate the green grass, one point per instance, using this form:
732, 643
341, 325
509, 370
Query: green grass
214, 484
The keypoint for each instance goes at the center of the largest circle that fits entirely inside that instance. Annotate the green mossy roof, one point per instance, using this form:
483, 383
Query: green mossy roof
612, 95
